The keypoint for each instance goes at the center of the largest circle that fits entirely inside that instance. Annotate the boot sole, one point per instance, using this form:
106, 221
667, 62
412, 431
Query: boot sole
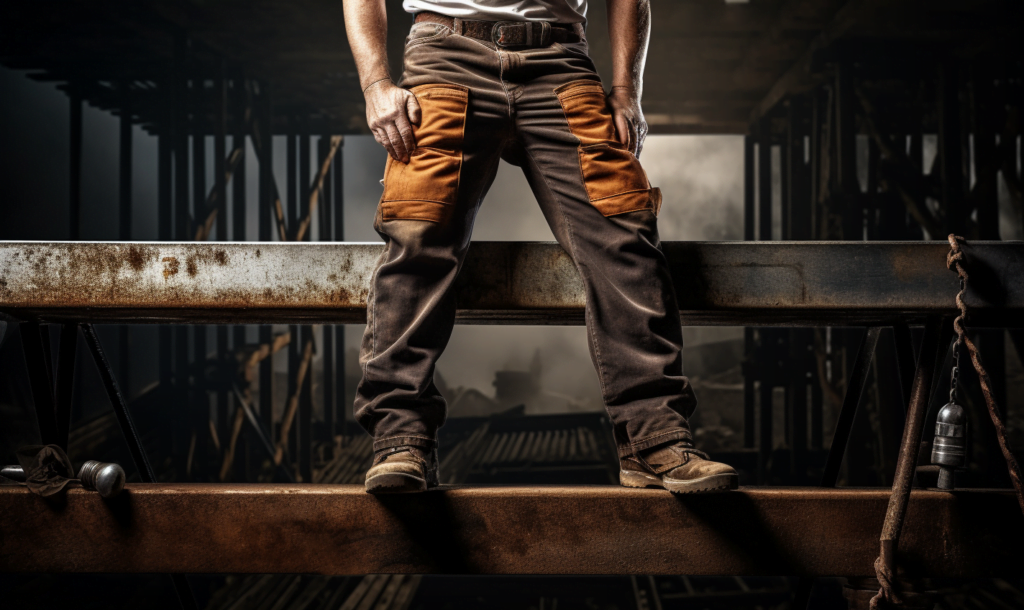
395, 483
712, 484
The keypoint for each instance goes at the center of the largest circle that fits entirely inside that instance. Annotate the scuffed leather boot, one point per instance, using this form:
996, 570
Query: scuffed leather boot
678, 468
402, 470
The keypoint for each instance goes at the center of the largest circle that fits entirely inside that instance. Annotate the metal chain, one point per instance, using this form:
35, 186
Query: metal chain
954, 375
954, 262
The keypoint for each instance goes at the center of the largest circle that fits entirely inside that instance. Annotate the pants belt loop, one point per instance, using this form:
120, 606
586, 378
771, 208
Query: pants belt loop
457, 26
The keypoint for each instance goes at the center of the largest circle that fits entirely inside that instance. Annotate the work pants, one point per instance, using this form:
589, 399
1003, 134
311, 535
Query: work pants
544, 110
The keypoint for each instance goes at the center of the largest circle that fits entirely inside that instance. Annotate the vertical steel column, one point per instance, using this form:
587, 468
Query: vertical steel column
199, 401
75, 169
240, 114
125, 222
786, 177
800, 189
916, 154
749, 185
220, 136
327, 360
790, 168
165, 214
846, 153
265, 151
873, 199
182, 436
854, 391
240, 111
760, 364
305, 436
220, 144
951, 151
814, 157
748, 188
764, 182
987, 115
125, 166
291, 203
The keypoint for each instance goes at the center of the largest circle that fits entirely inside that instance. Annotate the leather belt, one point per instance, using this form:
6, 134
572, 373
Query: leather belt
508, 33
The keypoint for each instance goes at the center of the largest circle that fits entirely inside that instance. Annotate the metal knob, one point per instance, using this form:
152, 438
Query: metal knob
949, 449
105, 478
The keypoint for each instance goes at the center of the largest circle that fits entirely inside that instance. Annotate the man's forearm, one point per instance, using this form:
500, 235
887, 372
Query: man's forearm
366, 24
629, 27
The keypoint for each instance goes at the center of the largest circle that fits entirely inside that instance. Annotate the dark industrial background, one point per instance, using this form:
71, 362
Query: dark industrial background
773, 120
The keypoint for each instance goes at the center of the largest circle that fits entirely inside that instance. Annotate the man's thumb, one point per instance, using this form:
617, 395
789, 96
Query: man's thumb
413, 108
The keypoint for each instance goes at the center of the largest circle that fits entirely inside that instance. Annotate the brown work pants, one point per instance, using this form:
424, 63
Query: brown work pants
543, 109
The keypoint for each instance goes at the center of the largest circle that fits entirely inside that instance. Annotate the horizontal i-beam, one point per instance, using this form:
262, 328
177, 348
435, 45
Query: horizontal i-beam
730, 283
340, 529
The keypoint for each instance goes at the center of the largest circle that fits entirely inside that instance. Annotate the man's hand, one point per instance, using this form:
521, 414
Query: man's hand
630, 126
391, 112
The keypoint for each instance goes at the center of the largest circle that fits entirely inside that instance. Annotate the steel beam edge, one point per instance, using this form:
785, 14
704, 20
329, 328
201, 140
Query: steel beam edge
339, 529
730, 283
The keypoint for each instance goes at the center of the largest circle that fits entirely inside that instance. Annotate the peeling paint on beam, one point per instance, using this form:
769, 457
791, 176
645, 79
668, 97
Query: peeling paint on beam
730, 283
340, 529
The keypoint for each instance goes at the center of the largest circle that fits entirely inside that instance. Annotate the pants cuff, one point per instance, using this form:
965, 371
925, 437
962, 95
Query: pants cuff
661, 438
396, 441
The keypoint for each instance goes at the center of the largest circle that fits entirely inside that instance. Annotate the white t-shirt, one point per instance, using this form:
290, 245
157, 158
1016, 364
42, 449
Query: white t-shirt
558, 11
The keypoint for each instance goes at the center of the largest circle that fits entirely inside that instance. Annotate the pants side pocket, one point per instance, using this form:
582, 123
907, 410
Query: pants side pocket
614, 179
427, 187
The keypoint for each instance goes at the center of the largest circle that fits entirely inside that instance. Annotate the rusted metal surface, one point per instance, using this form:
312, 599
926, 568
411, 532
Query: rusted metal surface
340, 529
892, 527
732, 283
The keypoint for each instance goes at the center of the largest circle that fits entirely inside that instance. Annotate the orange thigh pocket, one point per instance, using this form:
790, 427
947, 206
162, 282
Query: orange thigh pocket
613, 177
427, 187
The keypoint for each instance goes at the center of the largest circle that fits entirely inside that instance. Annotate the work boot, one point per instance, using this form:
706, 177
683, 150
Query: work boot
402, 470
678, 468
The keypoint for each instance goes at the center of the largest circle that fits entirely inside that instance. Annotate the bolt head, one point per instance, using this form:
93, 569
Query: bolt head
110, 480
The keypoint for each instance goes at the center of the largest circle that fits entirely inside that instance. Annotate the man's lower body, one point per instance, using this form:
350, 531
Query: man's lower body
544, 110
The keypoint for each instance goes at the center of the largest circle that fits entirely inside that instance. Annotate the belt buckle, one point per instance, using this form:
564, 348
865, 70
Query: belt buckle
496, 34
533, 37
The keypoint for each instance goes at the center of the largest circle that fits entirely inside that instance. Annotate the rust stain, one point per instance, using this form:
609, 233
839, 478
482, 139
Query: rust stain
190, 266
136, 259
221, 256
171, 266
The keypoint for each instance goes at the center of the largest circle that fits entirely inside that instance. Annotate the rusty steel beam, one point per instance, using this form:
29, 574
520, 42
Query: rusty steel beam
731, 283
340, 529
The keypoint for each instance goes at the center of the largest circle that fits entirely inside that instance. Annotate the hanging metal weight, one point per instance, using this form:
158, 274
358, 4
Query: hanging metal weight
949, 449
